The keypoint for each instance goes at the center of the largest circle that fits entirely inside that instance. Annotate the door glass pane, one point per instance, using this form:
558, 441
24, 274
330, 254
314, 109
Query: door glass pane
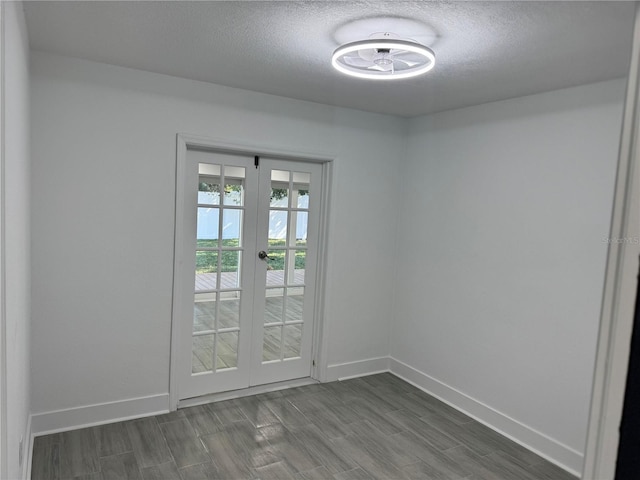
279, 188
300, 262
303, 198
281, 176
208, 184
202, 353
272, 343
302, 177
295, 302
209, 169
204, 314
233, 194
207, 227
230, 268
227, 352
275, 269
208, 191
233, 173
277, 227
292, 340
229, 313
206, 270
301, 228
234, 185
274, 305
301, 189
231, 227
280, 195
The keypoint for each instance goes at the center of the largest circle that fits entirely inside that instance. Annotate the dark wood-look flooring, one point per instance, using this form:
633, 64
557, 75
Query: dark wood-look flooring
367, 428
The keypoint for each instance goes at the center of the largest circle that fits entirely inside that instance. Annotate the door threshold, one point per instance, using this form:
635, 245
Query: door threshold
245, 392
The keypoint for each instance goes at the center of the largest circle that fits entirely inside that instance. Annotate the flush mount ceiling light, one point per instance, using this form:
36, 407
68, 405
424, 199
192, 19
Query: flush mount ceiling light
384, 56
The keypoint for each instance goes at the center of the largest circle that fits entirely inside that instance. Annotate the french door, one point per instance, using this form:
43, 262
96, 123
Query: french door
246, 275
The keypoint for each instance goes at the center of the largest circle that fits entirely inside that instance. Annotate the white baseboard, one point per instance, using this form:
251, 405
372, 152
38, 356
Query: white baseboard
344, 371
545, 446
99, 414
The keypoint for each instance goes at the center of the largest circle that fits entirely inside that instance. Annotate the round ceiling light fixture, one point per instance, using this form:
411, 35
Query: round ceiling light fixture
384, 56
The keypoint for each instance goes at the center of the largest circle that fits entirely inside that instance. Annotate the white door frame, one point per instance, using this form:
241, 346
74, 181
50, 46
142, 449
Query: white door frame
185, 141
619, 297
3, 322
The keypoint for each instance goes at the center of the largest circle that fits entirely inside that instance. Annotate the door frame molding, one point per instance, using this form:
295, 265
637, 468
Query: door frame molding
183, 143
620, 288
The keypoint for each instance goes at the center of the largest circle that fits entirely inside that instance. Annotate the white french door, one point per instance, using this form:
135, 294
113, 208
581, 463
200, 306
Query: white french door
246, 271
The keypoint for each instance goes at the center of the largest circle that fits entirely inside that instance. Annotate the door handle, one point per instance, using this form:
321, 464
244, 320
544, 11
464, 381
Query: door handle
262, 255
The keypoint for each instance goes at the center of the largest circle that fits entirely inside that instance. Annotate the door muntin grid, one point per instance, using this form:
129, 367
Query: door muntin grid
285, 285
219, 255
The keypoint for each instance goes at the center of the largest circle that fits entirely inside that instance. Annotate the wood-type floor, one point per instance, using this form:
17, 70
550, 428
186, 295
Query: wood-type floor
366, 428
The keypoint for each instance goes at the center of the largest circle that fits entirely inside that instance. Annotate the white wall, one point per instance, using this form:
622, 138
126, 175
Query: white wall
502, 255
103, 254
16, 236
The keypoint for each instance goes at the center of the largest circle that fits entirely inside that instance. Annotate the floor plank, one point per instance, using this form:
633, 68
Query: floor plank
489, 467
227, 457
46, 459
120, 467
382, 446
163, 471
548, 471
368, 459
184, 444
423, 470
203, 471
113, 439
79, 453
318, 473
203, 420
439, 464
275, 471
286, 446
288, 414
248, 440
149, 445
228, 411
322, 450
434, 436
355, 474
257, 411
328, 423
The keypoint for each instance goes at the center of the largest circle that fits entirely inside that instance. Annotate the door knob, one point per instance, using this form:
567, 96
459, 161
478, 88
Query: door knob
262, 255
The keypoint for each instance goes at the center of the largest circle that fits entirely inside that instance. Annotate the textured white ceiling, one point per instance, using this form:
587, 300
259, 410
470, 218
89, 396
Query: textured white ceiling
485, 51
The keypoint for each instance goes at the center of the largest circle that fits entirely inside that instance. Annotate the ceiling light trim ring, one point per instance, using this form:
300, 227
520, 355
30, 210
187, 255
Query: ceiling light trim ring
398, 44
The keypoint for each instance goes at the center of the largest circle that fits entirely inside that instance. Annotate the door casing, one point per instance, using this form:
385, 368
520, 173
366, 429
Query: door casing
183, 143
